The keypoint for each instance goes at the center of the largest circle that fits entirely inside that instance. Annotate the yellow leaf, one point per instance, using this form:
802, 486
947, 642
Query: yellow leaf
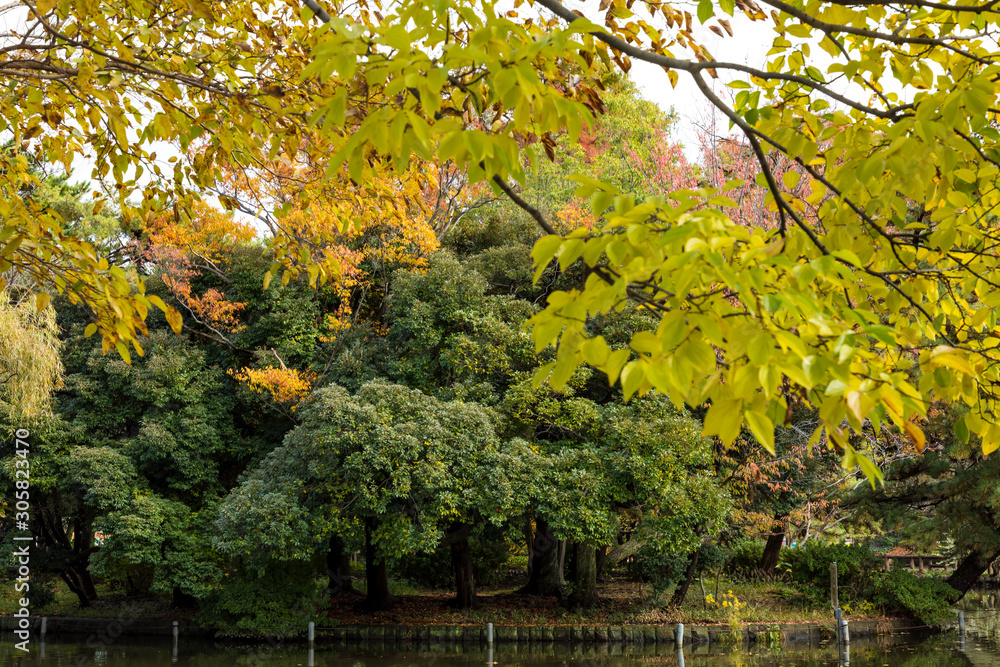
943, 355
990, 445
724, 419
762, 428
916, 435
123, 351
174, 319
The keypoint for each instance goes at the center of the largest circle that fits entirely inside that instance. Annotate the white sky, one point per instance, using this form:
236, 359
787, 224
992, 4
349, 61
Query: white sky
747, 47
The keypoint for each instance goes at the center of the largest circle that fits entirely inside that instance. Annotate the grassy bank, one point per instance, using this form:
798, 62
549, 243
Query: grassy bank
622, 603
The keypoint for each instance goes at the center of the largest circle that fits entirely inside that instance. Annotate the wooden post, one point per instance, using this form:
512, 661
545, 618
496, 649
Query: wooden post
961, 621
312, 632
680, 635
44, 623
834, 593
489, 634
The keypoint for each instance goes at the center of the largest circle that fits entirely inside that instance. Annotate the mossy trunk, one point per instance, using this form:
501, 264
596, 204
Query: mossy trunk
465, 583
678, 599
584, 577
377, 597
545, 577
338, 568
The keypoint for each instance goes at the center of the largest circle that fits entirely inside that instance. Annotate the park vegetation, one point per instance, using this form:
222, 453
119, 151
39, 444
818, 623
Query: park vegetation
304, 446
428, 293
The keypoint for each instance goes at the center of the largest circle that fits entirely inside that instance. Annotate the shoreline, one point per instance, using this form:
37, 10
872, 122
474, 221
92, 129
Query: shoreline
473, 635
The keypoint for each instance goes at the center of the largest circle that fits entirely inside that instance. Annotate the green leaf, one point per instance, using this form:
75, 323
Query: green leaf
705, 10
869, 468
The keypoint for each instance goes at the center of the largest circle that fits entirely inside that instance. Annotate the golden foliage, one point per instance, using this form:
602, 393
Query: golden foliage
285, 385
30, 368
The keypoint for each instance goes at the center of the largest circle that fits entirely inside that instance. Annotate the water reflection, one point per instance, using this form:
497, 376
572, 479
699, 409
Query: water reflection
944, 650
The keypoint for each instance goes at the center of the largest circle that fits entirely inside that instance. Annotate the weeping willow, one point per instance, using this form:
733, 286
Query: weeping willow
30, 368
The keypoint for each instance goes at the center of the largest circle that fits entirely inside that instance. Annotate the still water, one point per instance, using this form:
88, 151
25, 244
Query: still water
942, 650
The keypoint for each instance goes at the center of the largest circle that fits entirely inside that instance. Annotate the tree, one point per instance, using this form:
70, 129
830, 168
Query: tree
771, 492
898, 273
400, 468
135, 452
947, 493
818, 306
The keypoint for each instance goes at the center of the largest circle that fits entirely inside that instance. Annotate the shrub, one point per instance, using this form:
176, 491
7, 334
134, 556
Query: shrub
926, 598
660, 568
810, 567
744, 557
280, 601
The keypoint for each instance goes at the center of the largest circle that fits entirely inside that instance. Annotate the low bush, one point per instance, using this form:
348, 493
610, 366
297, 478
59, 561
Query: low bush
743, 559
809, 566
280, 601
902, 592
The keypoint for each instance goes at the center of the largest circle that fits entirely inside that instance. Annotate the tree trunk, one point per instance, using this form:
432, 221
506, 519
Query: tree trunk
465, 583
562, 563
601, 561
338, 568
182, 600
969, 570
73, 583
772, 550
543, 554
678, 599
585, 577
83, 546
377, 597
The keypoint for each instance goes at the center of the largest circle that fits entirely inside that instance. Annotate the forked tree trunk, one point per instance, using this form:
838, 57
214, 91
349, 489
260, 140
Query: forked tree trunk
584, 577
601, 564
543, 553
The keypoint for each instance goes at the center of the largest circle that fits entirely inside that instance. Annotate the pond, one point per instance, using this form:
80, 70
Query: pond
942, 650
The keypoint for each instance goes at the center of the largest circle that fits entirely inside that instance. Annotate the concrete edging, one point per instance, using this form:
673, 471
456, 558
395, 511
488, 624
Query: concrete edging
475, 635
